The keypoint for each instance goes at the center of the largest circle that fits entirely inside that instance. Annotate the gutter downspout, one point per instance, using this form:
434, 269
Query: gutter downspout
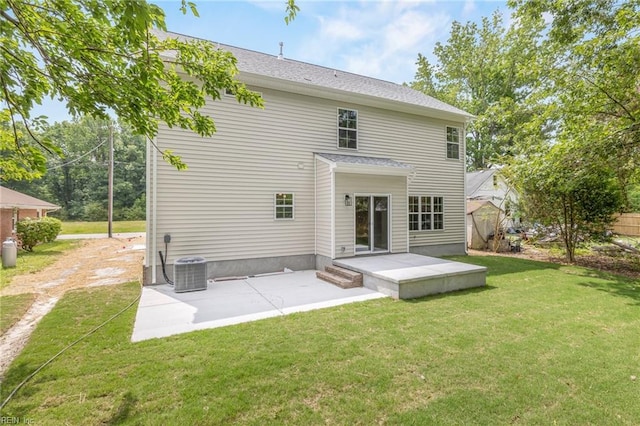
464, 186
152, 188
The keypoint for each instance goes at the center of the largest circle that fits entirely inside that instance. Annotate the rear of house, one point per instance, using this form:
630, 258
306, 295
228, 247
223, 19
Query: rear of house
336, 165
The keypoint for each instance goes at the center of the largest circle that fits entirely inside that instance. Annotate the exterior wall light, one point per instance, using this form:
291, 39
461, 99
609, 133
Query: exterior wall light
347, 200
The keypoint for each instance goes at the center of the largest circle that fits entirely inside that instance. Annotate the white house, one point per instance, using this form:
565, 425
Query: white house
336, 165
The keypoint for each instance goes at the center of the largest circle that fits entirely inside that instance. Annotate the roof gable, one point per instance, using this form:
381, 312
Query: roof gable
302, 77
475, 180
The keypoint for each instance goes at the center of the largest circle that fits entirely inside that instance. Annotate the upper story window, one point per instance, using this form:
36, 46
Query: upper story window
453, 143
347, 128
284, 206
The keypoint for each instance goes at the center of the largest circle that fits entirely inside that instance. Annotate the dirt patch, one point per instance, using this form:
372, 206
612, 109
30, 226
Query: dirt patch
96, 262
624, 265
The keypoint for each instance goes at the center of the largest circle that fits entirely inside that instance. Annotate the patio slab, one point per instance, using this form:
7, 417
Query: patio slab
409, 275
162, 312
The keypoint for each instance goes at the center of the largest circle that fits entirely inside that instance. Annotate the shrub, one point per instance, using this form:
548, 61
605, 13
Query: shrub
33, 232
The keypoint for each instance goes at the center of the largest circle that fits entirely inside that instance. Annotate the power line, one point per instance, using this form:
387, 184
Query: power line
79, 158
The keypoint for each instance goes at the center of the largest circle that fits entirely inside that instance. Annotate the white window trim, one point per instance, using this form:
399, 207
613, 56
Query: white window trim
276, 205
345, 128
447, 142
432, 213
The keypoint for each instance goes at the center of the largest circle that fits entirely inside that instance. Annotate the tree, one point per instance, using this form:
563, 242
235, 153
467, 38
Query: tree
479, 69
591, 90
19, 157
104, 56
79, 181
569, 189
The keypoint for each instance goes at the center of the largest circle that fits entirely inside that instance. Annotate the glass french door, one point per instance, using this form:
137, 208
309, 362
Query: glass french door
372, 223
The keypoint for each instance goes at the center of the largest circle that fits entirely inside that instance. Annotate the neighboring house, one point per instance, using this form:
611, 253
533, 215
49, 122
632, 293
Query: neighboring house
15, 206
482, 217
336, 165
490, 185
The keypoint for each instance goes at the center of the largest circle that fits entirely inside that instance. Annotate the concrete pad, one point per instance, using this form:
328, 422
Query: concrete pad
409, 275
162, 312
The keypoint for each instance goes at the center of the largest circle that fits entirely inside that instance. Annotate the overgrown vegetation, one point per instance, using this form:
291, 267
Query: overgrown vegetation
541, 344
556, 99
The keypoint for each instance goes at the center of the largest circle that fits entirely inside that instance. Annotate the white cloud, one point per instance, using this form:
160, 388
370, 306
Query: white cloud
339, 29
379, 39
469, 7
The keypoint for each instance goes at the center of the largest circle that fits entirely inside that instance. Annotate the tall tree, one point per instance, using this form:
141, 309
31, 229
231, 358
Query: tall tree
569, 188
101, 56
479, 70
591, 90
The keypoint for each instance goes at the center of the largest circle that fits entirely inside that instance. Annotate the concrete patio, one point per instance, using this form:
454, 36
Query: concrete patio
409, 275
162, 312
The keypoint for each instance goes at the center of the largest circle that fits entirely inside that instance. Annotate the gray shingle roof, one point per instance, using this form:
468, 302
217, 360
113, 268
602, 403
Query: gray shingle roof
10, 199
476, 179
365, 161
322, 77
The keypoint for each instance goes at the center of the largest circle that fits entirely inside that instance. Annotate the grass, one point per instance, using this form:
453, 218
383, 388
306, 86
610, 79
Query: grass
31, 262
541, 344
12, 308
102, 227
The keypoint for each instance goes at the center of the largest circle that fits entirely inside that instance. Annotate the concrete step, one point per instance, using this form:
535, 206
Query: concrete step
354, 276
337, 280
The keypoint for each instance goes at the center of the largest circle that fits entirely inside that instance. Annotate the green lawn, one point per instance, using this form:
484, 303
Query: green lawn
30, 262
541, 344
12, 308
102, 227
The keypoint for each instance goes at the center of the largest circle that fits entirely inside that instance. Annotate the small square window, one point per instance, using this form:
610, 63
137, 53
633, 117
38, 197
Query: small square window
347, 128
284, 206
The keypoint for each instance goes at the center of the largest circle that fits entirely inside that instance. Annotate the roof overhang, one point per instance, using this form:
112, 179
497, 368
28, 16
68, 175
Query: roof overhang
345, 165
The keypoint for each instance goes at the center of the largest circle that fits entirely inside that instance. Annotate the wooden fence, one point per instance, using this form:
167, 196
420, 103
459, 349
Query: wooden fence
628, 224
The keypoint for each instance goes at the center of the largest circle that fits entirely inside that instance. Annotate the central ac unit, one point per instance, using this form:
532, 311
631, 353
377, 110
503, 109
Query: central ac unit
189, 274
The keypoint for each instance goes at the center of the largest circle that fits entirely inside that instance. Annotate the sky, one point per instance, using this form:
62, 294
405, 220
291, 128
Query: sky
375, 38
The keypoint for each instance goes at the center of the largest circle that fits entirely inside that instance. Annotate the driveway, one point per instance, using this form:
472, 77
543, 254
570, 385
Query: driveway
96, 262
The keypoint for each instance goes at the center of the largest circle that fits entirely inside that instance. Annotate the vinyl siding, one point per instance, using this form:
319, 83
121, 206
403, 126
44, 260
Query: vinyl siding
394, 186
221, 208
324, 228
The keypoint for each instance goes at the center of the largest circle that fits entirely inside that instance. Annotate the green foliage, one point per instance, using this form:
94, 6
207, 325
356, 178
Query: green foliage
95, 211
100, 55
479, 69
79, 182
33, 232
634, 199
589, 90
568, 189
20, 157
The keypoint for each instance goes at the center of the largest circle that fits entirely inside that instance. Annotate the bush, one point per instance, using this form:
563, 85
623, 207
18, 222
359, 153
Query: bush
33, 232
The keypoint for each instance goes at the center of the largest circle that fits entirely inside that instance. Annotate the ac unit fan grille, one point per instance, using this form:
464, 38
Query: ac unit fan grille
189, 274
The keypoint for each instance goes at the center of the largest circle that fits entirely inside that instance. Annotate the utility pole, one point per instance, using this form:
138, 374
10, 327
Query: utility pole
110, 211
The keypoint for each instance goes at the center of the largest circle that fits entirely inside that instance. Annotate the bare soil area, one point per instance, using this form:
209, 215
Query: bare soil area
95, 263
624, 265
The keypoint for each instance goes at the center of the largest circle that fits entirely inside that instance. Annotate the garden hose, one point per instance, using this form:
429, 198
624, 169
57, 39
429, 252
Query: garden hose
30, 376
